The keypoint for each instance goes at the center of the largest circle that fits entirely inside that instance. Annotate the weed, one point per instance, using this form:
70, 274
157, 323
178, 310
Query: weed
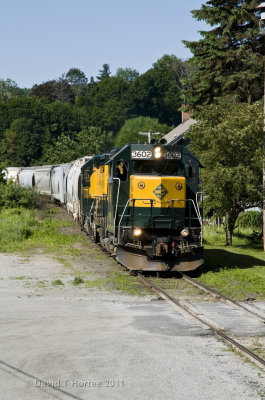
78, 280
57, 282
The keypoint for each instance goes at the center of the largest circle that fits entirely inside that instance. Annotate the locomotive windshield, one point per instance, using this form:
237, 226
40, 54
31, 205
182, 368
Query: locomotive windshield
166, 167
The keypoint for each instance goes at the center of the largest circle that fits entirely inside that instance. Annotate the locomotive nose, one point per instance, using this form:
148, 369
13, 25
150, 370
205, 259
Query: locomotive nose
161, 191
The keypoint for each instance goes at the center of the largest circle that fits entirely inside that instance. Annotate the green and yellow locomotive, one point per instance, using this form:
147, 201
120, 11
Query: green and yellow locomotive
141, 202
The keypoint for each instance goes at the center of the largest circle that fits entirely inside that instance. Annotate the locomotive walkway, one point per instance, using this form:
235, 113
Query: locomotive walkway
80, 343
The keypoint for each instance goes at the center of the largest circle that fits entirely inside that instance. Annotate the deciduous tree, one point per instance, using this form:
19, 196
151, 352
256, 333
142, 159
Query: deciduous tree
228, 140
129, 133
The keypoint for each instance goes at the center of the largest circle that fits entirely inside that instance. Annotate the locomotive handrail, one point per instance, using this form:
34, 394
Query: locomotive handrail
198, 208
151, 202
90, 211
195, 208
117, 201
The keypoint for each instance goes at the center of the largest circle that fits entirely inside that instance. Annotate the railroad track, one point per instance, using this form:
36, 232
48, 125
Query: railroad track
201, 320
224, 299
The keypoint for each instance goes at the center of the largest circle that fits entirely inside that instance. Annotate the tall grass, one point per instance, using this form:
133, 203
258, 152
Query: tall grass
16, 225
20, 231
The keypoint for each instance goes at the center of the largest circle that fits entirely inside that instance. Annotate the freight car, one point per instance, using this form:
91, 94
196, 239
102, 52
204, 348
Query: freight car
141, 202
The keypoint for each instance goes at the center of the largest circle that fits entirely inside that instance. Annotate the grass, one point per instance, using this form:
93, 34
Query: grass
22, 230
236, 271
118, 281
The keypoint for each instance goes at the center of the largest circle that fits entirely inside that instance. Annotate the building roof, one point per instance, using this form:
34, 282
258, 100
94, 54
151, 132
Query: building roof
179, 131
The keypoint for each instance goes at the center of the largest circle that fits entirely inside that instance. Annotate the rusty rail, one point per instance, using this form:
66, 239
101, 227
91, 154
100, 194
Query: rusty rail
225, 299
203, 322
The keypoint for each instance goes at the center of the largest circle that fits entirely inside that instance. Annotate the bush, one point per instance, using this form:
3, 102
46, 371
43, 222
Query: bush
14, 196
250, 219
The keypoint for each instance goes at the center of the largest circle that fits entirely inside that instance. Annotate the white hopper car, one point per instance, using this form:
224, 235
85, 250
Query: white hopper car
61, 182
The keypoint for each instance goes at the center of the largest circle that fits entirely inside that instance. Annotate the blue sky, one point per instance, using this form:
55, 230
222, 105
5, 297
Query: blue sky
42, 39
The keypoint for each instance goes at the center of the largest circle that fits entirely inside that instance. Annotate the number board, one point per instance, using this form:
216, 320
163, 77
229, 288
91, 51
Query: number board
141, 154
172, 155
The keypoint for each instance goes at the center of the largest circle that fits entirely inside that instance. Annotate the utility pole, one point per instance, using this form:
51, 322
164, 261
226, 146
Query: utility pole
262, 31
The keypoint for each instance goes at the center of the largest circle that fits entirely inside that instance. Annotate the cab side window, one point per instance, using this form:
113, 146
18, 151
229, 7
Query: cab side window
121, 170
190, 172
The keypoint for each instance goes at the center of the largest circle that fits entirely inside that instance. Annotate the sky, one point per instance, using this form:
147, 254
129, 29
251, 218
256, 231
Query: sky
42, 39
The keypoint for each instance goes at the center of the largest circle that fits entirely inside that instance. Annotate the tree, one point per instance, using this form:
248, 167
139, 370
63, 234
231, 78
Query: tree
127, 74
63, 91
89, 141
227, 60
53, 90
62, 151
8, 147
104, 72
129, 133
22, 143
45, 90
93, 140
9, 88
76, 77
157, 93
109, 103
228, 140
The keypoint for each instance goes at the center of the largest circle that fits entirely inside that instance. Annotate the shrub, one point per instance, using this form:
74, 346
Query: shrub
14, 196
250, 219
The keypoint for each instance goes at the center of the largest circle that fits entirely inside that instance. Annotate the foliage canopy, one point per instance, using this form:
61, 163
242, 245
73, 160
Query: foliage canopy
228, 140
227, 60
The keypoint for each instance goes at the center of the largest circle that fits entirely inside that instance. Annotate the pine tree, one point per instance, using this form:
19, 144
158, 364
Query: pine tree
104, 72
228, 58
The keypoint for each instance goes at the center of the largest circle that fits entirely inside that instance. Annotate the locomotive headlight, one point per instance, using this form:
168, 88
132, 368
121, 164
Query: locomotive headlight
158, 153
185, 233
137, 232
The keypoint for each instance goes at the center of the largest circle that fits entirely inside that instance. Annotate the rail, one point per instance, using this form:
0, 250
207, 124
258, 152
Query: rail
203, 321
223, 298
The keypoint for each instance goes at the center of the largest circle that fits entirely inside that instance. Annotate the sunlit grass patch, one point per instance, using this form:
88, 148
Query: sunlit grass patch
237, 283
21, 231
237, 271
215, 236
17, 225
